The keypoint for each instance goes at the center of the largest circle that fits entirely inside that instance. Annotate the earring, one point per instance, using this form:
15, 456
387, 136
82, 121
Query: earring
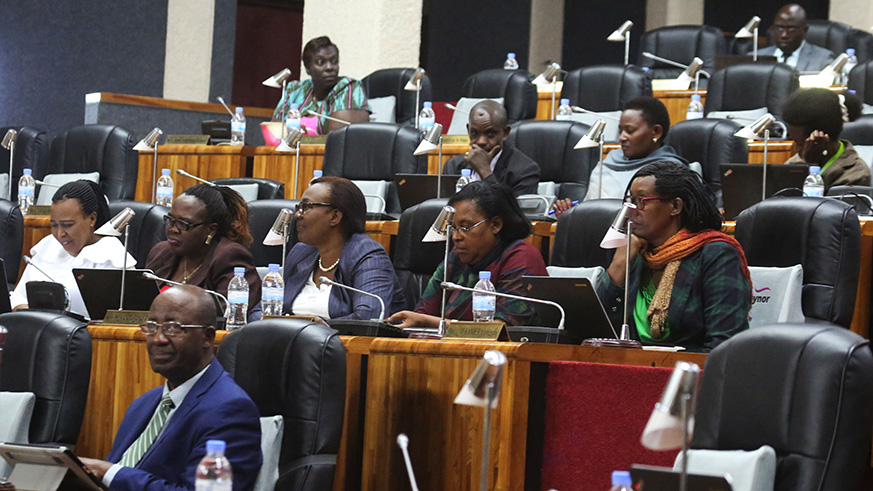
208, 239
655, 140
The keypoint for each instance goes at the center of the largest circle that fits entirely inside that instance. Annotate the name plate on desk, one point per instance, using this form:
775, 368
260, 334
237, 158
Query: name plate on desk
126, 317
492, 331
456, 140
187, 140
313, 140
39, 210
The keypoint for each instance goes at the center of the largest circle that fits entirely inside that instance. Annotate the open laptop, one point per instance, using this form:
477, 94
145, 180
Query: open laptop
218, 131
585, 315
651, 478
101, 290
741, 184
413, 189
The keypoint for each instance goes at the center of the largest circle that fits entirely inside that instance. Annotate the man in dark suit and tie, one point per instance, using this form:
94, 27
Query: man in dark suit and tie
788, 33
163, 435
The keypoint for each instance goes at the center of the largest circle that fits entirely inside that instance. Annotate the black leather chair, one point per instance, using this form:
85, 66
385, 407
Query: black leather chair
267, 188
296, 369
12, 232
820, 234
605, 87
807, 391
860, 197
860, 131
861, 81
579, 232
415, 261
862, 41
374, 152
49, 355
681, 44
712, 143
31, 152
550, 144
829, 34
262, 214
391, 81
146, 228
106, 149
514, 86
751, 86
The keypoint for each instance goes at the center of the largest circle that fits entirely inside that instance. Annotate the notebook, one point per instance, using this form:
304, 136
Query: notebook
413, 189
741, 184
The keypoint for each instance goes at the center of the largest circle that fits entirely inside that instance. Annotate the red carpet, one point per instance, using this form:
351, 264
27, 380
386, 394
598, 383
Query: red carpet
595, 415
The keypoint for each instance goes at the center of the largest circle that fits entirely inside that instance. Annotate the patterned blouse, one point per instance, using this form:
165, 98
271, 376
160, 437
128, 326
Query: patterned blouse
507, 265
348, 93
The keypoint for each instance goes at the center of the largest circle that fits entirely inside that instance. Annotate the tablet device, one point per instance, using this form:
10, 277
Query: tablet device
47, 467
101, 290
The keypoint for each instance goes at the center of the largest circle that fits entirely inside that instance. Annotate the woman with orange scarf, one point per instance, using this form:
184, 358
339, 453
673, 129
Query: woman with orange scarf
689, 283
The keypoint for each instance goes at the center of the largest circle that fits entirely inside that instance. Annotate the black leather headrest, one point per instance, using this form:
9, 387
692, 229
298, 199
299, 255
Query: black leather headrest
31, 152
605, 87
823, 235
49, 355
410, 253
860, 131
751, 86
861, 81
550, 144
515, 86
12, 229
807, 391
391, 81
146, 228
862, 41
267, 188
579, 232
681, 44
829, 34
107, 149
262, 214
710, 142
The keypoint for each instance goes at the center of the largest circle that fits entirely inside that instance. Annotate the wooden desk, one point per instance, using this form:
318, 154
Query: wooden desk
35, 229
676, 102
204, 161
279, 166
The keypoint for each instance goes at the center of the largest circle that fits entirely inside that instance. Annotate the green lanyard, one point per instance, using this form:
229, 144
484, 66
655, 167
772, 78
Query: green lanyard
835, 157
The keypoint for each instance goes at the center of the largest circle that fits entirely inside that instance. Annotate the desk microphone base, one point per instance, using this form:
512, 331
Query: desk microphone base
612, 343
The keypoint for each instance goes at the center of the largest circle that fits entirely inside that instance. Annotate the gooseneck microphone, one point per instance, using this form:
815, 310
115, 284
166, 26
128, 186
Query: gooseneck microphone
29, 262
192, 176
325, 116
448, 285
327, 281
403, 443
151, 276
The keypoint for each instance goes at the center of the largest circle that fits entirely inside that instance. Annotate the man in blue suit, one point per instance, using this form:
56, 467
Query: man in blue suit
164, 432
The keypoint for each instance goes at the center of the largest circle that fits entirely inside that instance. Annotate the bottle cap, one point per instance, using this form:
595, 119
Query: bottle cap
239, 270
695, 97
294, 105
239, 110
620, 478
565, 102
273, 267
510, 55
484, 275
427, 104
466, 172
165, 172
646, 69
214, 446
850, 51
814, 169
853, 91
317, 173
28, 172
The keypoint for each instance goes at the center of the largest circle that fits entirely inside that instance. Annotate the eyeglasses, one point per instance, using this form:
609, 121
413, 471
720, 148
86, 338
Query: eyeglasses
465, 230
169, 328
640, 202
182, 225
305, 206
788, 29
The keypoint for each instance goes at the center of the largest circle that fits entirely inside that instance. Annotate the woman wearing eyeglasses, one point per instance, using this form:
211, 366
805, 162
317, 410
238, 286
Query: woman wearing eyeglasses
207, 236
333, 244
689, 283
488, 235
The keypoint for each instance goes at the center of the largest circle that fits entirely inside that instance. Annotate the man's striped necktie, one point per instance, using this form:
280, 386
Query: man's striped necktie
133, 454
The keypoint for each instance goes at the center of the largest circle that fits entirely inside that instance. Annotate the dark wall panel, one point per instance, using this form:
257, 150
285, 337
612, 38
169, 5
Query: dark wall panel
587, 25
731, 16
55, 51
223, 41
462, 37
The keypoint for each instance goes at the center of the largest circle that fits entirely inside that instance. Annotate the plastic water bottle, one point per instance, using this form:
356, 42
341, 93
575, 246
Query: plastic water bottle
426, 118
466, 178
813, 185
484, 304
292, 119
695, 108
852, 62
315, 175
273, 292
214, 472
564, 111
164, 194
26, 190
238, 128
621, 481
511, 63
238, 298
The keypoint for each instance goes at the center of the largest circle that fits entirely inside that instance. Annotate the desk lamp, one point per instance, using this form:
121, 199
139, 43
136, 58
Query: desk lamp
414, 84
750, 30
9, 144
291, 142
433, 140
280, 80
753, 132
113, 228
441, 230
278, 234
622, 34
594, 138
550, 76
150, 142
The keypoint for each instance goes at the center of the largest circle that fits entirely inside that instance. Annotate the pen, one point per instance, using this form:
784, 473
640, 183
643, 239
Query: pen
571, 205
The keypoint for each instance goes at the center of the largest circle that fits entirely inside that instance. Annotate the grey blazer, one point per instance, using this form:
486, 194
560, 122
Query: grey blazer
812, 58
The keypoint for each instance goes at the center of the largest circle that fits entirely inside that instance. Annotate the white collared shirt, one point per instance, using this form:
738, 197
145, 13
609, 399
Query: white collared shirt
177, 395
792, 59
313, 300
474, 176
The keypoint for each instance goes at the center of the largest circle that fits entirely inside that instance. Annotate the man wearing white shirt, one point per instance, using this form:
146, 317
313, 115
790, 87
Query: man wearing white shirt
789, 32
164, 432
490, 158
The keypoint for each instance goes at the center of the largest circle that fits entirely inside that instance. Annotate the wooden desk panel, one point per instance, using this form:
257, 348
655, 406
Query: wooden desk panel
35, 229
204, 161
279, 166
